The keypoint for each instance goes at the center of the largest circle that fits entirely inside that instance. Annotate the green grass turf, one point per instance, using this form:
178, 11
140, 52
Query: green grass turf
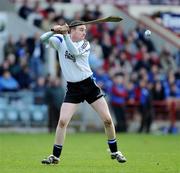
87, 153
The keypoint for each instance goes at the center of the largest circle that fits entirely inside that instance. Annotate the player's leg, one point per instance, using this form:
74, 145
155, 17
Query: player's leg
66, 113
101, 107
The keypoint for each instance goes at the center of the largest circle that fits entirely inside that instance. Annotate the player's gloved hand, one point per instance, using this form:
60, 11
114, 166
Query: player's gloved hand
61, 29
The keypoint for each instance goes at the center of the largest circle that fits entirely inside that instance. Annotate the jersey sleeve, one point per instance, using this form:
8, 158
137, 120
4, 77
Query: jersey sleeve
55, 41
45, 37
51, 39
76, 51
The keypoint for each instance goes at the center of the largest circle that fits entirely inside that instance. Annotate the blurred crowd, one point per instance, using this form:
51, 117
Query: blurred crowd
126, 66
46, 17
130, 2
122, 2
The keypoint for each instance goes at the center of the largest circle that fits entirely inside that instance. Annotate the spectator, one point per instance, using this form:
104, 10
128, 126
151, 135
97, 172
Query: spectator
118, 37
25, 10
168, 82
50, 7
146, 109
172, 87
36, 16
8, 83
143, 63
112, 64
103, 80
48, 21
54, 98
131, 92
4, 66
23, 77
36, 50
118, 99
95, 62
95, 46
94, 32
167, 60
126, 67
158, 93
39, 91
174, 91
106, 45
130, 46
86, 14
143, 74
13, 66
154, 59
141, 52
97, 12
9, 47
154, 74
96, 59
21, 47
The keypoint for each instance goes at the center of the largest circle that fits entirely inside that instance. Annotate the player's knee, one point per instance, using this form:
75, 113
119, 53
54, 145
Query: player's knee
62, 123
108, 122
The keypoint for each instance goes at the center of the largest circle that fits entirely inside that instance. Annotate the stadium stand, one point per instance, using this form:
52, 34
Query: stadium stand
167, 19
150, 77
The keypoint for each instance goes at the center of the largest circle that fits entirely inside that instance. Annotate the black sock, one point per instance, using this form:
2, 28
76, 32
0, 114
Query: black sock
57, 150
112, 145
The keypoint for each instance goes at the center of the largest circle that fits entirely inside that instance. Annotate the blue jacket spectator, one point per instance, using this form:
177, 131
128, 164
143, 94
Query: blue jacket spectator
118, 90
146, 109
131, 91
118, 99
174, 91
103, 80
144, 97
8, 83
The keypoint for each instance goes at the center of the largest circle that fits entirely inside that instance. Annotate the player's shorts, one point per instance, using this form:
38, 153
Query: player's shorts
84, 90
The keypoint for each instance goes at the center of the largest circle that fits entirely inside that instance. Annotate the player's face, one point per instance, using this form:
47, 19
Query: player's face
79, 33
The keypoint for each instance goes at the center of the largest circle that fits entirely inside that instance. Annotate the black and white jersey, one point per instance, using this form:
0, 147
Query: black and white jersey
73, 56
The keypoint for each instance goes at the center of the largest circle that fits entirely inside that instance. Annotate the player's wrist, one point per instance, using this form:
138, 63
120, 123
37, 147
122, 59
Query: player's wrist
65, 33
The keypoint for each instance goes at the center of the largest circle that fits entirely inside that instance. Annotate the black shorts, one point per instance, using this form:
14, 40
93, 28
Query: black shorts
84, 90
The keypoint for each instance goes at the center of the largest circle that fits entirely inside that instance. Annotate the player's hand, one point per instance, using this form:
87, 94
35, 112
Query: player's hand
61, 29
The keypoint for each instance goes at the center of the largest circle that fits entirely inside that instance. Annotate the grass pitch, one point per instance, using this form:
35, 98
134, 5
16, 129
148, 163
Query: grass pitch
87, 153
